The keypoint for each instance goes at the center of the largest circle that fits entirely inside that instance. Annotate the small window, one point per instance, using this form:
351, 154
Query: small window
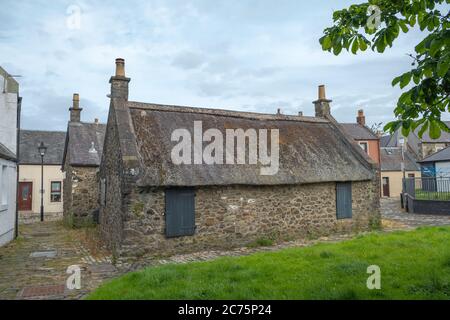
364, 146
180, 212
411, 175
55, 194
344, 200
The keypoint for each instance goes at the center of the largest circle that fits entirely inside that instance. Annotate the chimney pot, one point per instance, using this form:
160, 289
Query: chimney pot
279, 111
361, 118
300, 113
96, 120
120, 67
322, 104
322, 95
75, 110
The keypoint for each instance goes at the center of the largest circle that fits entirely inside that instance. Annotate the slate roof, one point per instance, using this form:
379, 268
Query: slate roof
384, 141
29, 140
442, 155
79, 139
358, 132
311, 149
6, 154
391, 159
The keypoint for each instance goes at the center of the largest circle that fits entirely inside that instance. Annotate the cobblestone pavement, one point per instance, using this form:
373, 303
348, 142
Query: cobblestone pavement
34, 266
392, 212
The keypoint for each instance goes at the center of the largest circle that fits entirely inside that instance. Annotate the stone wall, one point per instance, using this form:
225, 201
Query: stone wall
111, 222
237, 215
80, 192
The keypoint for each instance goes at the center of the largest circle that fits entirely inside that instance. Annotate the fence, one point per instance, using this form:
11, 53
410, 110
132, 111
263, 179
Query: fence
427, 195
428, 188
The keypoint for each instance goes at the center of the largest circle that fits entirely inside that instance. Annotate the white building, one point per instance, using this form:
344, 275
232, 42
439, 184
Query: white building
9, 124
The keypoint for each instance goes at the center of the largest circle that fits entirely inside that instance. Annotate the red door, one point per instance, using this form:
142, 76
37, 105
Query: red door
25, 196
386, 192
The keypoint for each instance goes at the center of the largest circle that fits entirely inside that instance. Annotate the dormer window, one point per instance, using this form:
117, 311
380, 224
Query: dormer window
92, 148
364, 145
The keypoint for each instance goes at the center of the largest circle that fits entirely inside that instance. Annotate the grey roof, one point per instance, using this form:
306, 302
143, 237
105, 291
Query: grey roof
442, 155
79, 141
445, 136
311, 149
29, 140
6, 154
358, 132
391, 159
384, 141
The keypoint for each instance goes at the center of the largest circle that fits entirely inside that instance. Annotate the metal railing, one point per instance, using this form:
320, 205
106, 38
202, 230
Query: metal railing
427, 188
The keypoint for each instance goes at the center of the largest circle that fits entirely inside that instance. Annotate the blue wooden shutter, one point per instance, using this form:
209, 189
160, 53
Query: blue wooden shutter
180, 212
344, 200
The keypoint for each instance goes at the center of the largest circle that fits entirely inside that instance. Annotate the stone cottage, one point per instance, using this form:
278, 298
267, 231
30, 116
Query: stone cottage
152, 203
81, 160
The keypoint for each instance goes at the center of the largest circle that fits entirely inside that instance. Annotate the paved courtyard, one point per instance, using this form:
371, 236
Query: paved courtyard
34, 266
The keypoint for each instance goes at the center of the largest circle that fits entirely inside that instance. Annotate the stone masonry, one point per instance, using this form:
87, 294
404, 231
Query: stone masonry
237, 215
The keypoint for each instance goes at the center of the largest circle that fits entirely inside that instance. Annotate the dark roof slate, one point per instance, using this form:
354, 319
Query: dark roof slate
6, 154
391, 159
311, 149
358, 132
80, 139
29, 140
442, 155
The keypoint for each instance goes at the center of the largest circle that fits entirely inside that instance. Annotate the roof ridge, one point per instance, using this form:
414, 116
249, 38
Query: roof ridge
223, 112
35, 130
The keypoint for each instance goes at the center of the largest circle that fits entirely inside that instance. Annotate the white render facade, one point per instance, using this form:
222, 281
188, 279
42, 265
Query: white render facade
9, 111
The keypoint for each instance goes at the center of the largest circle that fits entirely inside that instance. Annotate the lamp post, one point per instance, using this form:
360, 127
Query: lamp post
42, 149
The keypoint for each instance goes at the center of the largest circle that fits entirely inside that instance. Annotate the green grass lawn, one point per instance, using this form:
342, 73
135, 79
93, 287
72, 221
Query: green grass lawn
429, 195
414, 265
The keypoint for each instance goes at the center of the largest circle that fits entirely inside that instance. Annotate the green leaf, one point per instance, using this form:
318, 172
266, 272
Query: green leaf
396, 80
355, 46
423, 128
406, 78
402, 25
362, 44
435, 130
443, 67
435, 46
412, 20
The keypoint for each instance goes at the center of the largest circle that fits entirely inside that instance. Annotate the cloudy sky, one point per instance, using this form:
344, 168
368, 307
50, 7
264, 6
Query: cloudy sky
251, 55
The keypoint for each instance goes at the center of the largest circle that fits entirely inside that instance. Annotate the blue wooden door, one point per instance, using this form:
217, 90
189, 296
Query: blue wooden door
180, 212
344, 200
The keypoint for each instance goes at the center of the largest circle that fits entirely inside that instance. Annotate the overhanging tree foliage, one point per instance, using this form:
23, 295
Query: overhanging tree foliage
428, 97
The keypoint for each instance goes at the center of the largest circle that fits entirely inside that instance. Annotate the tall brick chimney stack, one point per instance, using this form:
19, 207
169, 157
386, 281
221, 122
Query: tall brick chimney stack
361, 118
119, 83
75, 110
322, 104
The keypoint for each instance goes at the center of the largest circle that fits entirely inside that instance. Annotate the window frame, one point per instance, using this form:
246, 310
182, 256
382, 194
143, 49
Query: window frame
366, 143
55, 192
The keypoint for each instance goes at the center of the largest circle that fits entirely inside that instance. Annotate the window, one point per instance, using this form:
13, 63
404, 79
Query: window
344, 200
55, 193
180, 212
411, 175
4, 188
364, 146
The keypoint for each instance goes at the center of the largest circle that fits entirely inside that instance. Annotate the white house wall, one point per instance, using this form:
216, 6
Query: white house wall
8, 176
8, 118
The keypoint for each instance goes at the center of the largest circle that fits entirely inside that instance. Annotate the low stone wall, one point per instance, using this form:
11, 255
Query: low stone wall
235, 216
32, 217
428, 206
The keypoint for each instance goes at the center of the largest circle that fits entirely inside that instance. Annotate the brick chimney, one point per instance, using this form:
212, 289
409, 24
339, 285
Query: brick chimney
119, 83
361, 118
322, 104
75, 111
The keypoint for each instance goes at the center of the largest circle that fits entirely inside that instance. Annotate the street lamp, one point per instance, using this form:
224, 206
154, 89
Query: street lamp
42, 149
